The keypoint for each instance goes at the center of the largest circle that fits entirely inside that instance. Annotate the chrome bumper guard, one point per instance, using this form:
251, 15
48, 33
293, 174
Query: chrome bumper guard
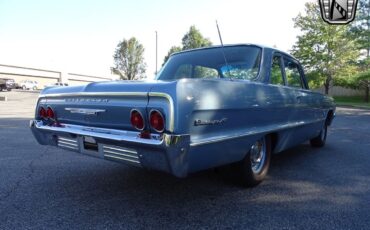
166, 152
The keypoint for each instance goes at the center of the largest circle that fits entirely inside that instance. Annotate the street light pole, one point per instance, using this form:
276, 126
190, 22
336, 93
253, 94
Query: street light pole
156, 53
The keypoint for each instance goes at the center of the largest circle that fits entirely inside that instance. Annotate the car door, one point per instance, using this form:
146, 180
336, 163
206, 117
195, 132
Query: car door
305, 109
284, 99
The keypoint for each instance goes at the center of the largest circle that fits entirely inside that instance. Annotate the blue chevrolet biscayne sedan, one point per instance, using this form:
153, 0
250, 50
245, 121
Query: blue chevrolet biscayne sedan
206, 108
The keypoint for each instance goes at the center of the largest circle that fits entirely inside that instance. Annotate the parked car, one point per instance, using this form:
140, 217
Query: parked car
28, 84
56, 84
6, 84
208, 107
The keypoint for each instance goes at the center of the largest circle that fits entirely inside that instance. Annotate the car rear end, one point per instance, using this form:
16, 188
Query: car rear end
114, 122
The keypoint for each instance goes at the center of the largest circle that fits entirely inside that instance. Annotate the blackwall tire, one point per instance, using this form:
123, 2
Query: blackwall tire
320, 140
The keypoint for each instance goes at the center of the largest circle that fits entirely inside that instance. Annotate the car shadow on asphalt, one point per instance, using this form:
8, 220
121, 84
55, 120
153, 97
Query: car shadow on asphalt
89, 180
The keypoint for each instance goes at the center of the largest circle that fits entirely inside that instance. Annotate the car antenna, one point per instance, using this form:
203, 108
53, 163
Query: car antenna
223, 49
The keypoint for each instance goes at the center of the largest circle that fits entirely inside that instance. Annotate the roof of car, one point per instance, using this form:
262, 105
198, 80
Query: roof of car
233, 45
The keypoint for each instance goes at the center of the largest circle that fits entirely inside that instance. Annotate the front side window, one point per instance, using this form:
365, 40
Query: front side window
242, 62
276, 76
292, 73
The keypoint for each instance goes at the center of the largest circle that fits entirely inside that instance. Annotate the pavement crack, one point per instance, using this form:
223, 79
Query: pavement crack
30, 166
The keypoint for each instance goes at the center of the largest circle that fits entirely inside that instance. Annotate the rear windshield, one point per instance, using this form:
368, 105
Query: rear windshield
242, 62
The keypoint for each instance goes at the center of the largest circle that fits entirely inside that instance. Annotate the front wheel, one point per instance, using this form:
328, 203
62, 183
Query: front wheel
255, 165
320, 140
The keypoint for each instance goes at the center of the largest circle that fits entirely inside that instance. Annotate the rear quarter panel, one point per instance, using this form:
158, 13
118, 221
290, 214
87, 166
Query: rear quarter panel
233, 114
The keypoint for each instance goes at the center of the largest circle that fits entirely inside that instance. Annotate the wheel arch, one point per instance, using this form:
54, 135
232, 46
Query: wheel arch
329, 117
274, 138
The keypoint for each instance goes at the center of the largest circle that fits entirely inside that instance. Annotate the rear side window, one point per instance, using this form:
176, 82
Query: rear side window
292, 73
184, 71
276, 76
188, 71
205, 72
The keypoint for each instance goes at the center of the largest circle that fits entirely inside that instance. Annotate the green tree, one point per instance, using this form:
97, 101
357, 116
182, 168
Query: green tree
194, 39
360, 28
322, 48
129, 59
173, 49
191, 40
363, 81
359, 81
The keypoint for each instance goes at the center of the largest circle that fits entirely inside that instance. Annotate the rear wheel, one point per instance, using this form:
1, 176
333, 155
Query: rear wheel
320, 140
255, 165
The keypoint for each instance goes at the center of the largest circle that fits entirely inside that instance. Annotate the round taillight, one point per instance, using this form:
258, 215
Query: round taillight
50, 113
137, 120
42, 112
156, 120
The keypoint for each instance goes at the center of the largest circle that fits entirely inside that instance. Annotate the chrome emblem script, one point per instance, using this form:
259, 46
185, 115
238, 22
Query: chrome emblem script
199, 122
338, 11
81, 100
85, 111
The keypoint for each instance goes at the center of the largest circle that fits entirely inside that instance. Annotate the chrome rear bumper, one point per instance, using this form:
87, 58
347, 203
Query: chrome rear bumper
166, 152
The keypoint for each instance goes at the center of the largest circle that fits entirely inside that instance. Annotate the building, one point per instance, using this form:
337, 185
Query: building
48, 77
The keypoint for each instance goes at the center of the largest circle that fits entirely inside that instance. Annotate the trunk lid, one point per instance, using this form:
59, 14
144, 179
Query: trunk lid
101, 104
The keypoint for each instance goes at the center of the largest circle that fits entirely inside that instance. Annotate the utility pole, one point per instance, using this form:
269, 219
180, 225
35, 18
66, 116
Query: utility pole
156, 53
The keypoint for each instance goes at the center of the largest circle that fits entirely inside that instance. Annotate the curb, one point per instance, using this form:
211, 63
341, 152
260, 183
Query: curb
353, 107
26, 91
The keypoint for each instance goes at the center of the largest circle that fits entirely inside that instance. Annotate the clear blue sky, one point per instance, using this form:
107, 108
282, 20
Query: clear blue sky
80, 36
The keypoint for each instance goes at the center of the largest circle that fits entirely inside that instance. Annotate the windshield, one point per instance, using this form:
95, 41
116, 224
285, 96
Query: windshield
242, 63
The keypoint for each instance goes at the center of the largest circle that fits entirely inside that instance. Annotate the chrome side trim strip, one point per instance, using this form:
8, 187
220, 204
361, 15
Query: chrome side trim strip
171, 110
254, 132
142, 94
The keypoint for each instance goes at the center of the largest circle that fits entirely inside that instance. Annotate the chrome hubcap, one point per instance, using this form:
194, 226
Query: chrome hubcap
258, 156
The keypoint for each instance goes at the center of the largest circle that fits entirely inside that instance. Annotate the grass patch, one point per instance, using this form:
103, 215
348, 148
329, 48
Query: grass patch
356, 101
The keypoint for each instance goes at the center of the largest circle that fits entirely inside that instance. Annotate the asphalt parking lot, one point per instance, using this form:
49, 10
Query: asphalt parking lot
49, 188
